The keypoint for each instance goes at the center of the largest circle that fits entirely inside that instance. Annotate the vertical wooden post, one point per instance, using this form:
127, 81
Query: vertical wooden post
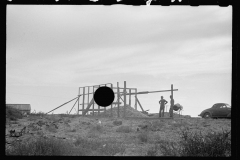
118, 94
172, 98
93, 101
136, 99
78, 100
113, 99
129, 97
105, 107
83, 99
88, 96
124, 92
98, 107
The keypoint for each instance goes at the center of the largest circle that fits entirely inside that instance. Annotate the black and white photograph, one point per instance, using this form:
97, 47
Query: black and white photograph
120, 80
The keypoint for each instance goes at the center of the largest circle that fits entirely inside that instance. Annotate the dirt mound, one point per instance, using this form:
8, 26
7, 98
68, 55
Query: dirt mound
130, 112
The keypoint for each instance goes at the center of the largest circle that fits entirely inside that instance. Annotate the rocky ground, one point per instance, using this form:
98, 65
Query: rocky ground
136, 134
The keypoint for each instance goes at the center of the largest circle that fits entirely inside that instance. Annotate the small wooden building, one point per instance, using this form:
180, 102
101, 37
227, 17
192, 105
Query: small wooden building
24, 108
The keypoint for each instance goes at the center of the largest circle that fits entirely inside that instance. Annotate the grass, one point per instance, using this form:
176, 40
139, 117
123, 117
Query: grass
95, 131
41, 146
98, 147
214, 144
143, 136
55, 147
124, 129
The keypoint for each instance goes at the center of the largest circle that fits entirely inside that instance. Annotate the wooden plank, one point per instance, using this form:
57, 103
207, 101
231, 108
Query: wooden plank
111, 104
89, 105
91, 109
88, 96
125, 85
74, 104
147, 92
139, 104
78, 100
129, 97
135, 99
83, 98
93, 102
117, 102
105, 107
98, 106
118, 98
62, 105
123, 88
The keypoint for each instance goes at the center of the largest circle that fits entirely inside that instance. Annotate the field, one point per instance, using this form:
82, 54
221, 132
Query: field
108, 136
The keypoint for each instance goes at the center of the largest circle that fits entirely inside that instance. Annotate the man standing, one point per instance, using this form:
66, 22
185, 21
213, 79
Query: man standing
171, 106
162, 103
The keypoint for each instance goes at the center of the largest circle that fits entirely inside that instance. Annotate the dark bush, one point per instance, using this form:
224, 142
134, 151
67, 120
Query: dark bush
13, 114
40, 146
214, 144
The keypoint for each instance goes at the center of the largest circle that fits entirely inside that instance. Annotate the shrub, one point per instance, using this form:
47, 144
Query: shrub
196, 144
98, 147
95, 131
169, 148
124, 129
13, 114
152, 151
73, 130
40, 146
143, 136
212, 144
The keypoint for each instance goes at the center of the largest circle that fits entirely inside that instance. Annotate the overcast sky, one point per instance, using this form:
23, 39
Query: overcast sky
52, 50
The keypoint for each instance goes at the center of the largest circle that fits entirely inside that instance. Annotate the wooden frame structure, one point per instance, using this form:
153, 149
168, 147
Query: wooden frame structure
86, 93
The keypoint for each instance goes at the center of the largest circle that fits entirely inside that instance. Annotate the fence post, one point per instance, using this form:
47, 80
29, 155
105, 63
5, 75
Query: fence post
113, 99
118, 94
129, 97
78, 100
172, 98
124, 92
106, 106
136, 98
98, 107
88, 96
83, 99
93, 101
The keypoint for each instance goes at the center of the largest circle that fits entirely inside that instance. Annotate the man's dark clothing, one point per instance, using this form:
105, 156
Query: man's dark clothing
162, 103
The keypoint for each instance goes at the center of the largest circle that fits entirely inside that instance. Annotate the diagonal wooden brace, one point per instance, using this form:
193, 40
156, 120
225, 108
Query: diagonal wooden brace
89, 105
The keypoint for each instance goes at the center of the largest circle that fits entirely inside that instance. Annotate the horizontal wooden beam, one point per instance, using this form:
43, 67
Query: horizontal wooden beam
146, 92
95, 86
91, 109
123, 88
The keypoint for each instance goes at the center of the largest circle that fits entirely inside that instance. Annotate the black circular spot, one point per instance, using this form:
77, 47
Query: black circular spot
104, 96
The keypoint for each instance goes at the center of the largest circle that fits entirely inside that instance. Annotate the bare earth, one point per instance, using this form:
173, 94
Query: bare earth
69, 128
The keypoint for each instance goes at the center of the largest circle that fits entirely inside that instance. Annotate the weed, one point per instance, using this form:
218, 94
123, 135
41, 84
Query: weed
73, 130
41, 146
124, 129
212, 144
95, 131
98, 147
152, 151
143, 136
168, 148
13, 114
196, 144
